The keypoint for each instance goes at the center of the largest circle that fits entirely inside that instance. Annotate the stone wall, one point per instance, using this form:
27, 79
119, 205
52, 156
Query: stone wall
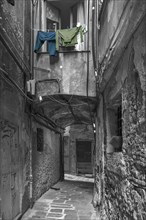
13, 116
125, 182
45, 164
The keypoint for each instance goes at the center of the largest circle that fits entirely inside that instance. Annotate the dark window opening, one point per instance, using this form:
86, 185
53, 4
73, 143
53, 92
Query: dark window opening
119, 121
52, 25
40, 139
74, 14
119, 128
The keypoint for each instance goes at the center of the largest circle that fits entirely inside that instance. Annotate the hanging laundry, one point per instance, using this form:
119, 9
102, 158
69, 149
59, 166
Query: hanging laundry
50, 37
68, 37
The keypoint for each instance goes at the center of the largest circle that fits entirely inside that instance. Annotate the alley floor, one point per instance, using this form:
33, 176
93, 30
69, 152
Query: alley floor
68, 200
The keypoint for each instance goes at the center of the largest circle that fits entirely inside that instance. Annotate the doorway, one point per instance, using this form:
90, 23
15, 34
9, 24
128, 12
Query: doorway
84, 157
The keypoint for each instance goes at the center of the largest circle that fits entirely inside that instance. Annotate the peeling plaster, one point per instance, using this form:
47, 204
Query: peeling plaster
110, 9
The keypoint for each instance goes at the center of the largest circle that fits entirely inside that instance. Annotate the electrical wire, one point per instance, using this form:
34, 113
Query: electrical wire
15, 85
11, 82
14, 55
63, 103
6, 77
43, 124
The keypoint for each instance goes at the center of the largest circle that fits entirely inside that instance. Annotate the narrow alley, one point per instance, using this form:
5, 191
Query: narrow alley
73, 105
68, 200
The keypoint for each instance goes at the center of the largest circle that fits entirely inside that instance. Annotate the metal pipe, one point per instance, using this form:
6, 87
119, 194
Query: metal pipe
48, 80
43, 124
93, 36
87, 83
32, 41
30, 163
48, 120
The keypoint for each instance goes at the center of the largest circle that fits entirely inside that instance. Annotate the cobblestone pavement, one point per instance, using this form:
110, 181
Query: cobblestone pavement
67, 200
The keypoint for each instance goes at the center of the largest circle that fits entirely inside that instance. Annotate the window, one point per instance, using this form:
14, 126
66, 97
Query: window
119, 121
40, 139
74, 16
114, 126
119, 127
52, 25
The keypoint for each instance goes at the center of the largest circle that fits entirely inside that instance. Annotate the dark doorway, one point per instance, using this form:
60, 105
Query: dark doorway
84, 157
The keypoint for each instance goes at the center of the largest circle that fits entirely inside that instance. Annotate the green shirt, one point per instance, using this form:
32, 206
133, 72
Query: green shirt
68, 37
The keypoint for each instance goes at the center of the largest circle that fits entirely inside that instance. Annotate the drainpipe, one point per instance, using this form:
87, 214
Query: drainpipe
32, 41
30, 161
87, 83
30, 141
61, 158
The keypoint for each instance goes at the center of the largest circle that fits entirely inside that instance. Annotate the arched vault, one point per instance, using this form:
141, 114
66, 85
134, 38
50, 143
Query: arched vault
66, 109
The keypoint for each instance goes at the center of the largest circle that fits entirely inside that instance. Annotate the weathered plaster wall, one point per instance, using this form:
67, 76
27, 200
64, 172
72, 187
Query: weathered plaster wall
125, 17
13, 106
125, 183
13, 111
110, 17
77, 132
14, 16
73, 74
46, 164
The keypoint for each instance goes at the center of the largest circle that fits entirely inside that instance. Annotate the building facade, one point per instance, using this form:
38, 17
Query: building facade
121, 114
76, 107
29, 148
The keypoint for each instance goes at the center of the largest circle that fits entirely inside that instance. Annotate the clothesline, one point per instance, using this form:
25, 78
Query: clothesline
62, 37
47, 30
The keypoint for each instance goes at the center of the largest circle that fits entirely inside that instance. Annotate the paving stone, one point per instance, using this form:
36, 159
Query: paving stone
71, 212
83, 217
71, 202
42, 219
61, 205
71, 217
59, 201
39, 215
56, 210
54, 215
46, 208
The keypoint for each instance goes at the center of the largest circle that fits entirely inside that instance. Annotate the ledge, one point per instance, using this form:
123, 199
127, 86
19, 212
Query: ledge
71, 51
